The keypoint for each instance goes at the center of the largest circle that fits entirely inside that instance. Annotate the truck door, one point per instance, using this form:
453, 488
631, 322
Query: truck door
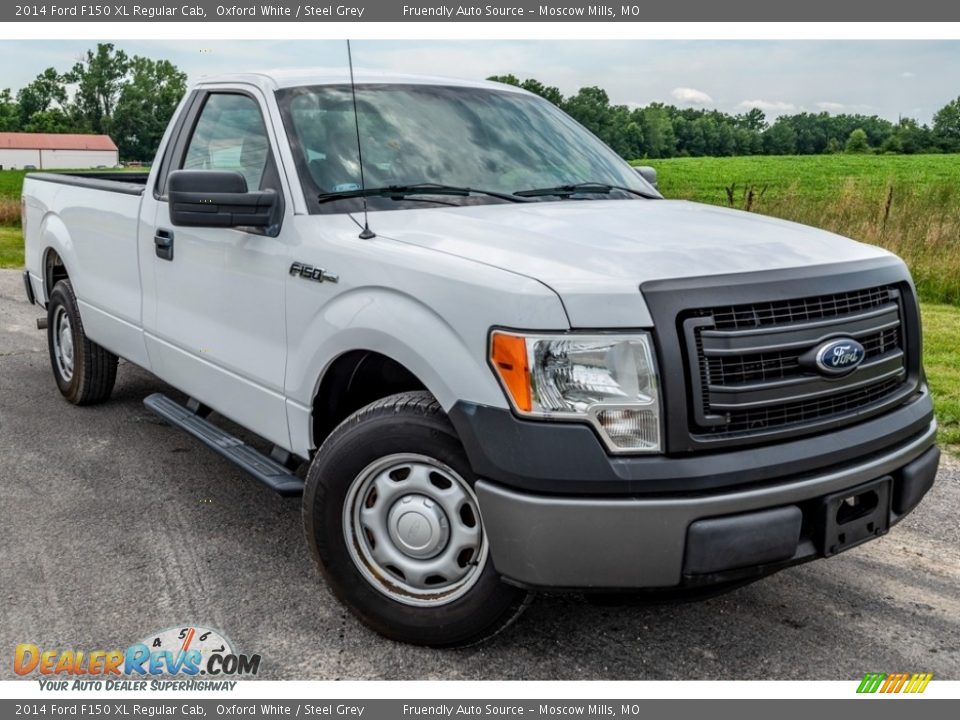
218, 329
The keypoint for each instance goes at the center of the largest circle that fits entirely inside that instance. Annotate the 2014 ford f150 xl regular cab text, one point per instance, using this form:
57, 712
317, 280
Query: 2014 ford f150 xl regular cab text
489, 354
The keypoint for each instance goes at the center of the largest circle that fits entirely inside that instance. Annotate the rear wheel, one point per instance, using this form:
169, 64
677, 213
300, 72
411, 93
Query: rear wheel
84, 371
394, 524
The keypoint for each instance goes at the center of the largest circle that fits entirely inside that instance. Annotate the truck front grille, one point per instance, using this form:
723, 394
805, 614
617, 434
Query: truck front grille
746, 372
798, 310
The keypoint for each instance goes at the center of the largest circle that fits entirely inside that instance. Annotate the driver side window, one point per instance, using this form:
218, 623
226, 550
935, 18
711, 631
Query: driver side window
230, 135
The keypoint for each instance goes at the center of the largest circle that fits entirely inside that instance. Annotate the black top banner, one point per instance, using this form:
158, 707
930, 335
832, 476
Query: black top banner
502, 11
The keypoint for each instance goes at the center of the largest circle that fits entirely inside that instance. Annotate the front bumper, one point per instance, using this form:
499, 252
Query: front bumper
692, 538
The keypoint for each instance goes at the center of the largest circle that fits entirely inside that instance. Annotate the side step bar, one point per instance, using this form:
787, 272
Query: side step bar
269, 472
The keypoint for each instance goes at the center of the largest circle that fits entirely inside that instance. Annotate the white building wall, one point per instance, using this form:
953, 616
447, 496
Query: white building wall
78, 159
15, 159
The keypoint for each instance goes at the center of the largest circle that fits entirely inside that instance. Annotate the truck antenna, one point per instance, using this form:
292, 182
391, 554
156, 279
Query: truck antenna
366, 233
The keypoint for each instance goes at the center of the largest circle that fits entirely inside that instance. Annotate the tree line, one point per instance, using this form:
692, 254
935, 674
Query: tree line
662, 131
129, 98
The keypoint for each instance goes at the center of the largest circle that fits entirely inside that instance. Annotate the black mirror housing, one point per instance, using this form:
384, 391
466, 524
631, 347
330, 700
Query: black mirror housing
217, 198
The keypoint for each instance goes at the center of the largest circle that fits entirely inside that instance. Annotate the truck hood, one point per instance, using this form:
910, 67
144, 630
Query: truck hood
594, 254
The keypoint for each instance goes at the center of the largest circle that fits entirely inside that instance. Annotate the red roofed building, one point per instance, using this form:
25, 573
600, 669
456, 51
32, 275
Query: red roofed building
49, 151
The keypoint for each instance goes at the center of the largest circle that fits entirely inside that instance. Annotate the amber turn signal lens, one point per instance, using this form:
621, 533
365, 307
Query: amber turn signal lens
509, 356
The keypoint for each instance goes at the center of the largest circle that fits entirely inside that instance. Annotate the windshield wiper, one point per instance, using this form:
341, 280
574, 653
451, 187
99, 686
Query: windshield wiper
399, 192
584, 188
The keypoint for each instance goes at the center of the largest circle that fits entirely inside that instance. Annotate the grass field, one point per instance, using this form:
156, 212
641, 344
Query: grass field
909, 204
11, 246
10, 183
941, 332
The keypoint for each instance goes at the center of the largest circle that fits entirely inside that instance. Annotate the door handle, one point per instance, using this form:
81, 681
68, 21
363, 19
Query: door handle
163, 240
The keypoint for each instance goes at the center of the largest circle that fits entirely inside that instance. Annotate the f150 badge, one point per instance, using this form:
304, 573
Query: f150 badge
313, 273
839, 356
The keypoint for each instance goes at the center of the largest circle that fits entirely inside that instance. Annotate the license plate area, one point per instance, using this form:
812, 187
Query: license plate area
854, 516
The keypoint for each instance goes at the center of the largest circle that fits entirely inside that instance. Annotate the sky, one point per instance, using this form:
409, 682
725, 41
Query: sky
886, 78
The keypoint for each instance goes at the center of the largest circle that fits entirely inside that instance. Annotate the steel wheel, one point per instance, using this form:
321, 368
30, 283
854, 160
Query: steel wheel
63, 343
412, 527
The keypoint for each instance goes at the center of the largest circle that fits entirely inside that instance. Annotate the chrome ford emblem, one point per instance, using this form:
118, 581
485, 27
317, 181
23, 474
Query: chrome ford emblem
839, 356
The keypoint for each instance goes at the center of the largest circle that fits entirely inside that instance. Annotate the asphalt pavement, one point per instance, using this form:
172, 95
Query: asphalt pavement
114, 525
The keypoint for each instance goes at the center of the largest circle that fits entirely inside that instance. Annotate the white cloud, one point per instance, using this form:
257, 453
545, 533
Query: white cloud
831, 106
774, 106
691, 96
907, 74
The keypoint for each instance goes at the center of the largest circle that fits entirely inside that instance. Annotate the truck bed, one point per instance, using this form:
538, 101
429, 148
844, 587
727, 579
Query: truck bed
92, 222
129, 183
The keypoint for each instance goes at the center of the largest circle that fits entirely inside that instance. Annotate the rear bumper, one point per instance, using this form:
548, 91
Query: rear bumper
668, 540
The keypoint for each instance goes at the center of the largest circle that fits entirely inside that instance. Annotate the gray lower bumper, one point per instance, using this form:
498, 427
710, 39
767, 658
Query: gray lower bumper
582, 542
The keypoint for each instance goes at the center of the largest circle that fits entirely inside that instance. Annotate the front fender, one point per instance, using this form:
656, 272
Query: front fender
391, 323
446, 348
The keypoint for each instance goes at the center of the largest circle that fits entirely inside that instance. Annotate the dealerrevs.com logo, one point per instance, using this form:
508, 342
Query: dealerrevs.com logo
178, 658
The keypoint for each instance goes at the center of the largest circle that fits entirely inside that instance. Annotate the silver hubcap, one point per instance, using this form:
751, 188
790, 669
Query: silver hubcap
63, 343
413, 528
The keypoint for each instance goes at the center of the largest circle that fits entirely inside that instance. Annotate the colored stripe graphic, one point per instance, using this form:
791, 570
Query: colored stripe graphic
871, 682
894, 683
921, 682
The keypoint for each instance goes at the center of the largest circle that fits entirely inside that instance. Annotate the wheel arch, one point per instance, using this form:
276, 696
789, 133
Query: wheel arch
54, 270
57, 257
354, 379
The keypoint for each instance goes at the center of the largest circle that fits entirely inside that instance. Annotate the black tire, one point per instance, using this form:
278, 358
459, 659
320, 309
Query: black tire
411, 422
94, 369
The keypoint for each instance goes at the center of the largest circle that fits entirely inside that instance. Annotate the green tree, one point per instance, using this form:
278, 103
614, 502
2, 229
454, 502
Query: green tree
811, 133
946, 126
913, 137
623, 133
9, 112
753, 119
53, 120
46, 91
780, 138
659, 139
146, 103
505, 79
857, 142
548, 92
99, 78
591, 108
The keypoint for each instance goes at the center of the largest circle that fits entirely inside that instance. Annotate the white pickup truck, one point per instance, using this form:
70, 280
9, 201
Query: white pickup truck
487, 352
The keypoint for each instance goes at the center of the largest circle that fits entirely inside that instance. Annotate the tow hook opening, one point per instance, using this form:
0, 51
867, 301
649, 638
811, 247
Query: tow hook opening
855, 507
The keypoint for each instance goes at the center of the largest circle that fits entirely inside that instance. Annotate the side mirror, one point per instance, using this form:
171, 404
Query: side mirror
648, 174
217, 198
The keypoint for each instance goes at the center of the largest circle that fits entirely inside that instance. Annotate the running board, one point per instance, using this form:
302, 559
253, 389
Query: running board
269, 472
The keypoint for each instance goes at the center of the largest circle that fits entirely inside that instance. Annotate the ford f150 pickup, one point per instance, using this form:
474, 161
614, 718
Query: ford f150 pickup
487, 352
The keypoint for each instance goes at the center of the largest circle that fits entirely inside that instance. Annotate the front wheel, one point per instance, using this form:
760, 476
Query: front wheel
394, 524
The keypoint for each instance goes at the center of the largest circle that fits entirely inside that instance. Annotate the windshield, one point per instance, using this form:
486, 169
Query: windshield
485, 139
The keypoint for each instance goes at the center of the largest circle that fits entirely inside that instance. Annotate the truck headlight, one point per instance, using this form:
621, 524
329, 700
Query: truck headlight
609, 381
